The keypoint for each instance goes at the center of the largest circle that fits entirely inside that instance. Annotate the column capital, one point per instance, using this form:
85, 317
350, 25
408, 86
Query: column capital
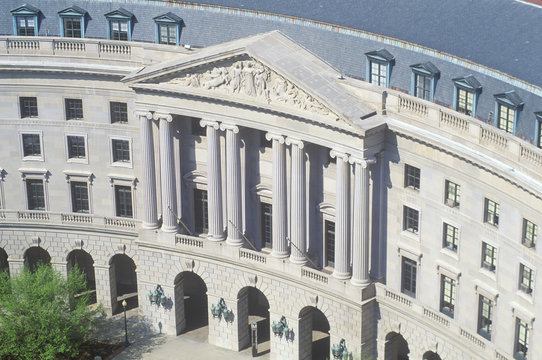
339, 155
206, 122
230, 127
292, 141
160, 116
271, 136
364, 162
140, 114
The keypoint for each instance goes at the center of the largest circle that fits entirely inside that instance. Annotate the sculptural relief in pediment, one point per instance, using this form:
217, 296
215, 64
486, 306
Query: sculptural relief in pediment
247, 77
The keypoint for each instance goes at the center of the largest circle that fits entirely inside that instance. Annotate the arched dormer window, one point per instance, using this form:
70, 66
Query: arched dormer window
378, 67
168, 29
466, 93
507, 108
119, 24
25, 20
72, 22
424, 80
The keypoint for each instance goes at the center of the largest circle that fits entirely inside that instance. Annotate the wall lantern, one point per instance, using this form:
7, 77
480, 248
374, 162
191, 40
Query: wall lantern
157, 297
340, 351
281, 328
220, 310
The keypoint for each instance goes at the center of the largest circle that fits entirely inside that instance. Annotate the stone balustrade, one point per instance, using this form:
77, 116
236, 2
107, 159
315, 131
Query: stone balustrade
315, 275
69, 219
189, 241
252, 255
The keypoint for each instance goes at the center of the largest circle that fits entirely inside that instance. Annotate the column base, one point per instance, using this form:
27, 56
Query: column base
170, 229
216, 237
341, 276
234, 242
280, 255
298, 260
150, 226
358, 282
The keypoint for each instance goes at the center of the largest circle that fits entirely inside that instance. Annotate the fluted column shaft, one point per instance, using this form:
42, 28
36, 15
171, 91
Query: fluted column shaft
150, 214
361, 226
279, 241
169, 202
214, 181
297, 214
233, 185
342, 217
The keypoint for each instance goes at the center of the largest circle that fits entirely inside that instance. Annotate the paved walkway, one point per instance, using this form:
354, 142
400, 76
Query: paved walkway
147, 345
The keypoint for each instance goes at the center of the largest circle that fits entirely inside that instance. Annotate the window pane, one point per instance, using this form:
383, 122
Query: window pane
266, 213
79, 197
35, 194
201, 220
123, 201
408, 277
330, 243
76, 147
31, 145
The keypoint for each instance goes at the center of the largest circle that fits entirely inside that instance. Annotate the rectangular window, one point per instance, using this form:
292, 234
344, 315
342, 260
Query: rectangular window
452, 194
26, 26
525, 279
408, 277
412, 177
168, 33
201, 211
266, 213
31, 145
72, 27
35, 194
451, 236
491, 212
121, 150
119, 30
79, 192
489, 257
447, 296
74, 109
505, 118
522, 340
378, 73
422, 86
485, 317
76, 147
465, 101
197, 129
119, 112
410, 219
123, 201
29, 107
529, 233
330, 242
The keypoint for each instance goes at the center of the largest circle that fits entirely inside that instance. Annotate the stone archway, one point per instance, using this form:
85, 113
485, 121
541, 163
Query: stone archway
84, 262
396, 347
253, 306
123, 282
4, 264
191, 310
35, 256
430, 355
314, 342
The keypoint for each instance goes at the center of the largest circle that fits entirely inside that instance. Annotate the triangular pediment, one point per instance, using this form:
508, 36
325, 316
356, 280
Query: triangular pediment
267, 71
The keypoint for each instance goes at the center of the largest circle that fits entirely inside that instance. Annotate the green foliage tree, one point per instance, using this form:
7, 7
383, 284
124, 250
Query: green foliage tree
43, 315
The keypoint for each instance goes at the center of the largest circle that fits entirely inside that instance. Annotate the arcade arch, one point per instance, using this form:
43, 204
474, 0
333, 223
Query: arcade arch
35, 256
314, 342
84, 262
123, 281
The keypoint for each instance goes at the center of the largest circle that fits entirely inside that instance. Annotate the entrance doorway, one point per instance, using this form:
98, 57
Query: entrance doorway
123, 281
191, 304
252, 306
396, 347
85, 264
314, 334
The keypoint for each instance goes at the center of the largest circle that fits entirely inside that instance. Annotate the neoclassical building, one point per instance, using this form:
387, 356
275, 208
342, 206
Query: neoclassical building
218, 166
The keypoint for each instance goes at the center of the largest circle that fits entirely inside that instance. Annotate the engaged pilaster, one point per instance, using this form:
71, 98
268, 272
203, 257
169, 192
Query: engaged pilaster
342, 216
150, 212
297, 214
233, 185
214, 181
279, 241
361, 226
169, 203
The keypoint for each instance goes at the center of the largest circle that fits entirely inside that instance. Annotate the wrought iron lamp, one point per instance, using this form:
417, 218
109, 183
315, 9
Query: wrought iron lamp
340, 351
281, 328
157, 297
220, 310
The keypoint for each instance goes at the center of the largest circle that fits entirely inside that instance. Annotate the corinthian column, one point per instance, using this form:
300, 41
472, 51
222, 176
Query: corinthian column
360, 236
214, 181
150, 215
297, 214
233, 185
342, 216
169, 202
279, 242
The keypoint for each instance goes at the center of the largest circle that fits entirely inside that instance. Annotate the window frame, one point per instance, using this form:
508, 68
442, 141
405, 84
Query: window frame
526, 279
452, 198
445, 237
511, 101
447, 307
28, 114
119, 16
490, 265
491, 212
113, 118
67, 110
468, 84
384, 60
529, 234
409, 287
41, 156
72, 13
79, 177
538, 125
203, 207
25, 12
35, 174
407, 218
81, 160
485, 323
114, 161
126, 182
521, 341
170, 20
428, 71
412, 177
263, 229
329, 243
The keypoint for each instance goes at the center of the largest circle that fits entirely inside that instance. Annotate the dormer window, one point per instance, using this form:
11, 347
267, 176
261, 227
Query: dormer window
466, 93
507, 107
424, 80
538, 116
168, 29
119, 24
25, 20
72, 22
378, 68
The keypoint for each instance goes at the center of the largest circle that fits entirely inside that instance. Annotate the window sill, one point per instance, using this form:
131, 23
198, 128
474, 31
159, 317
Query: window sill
448, 252
491, 274
525, 296
410, 235
77, 160
33, 158
122, 164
